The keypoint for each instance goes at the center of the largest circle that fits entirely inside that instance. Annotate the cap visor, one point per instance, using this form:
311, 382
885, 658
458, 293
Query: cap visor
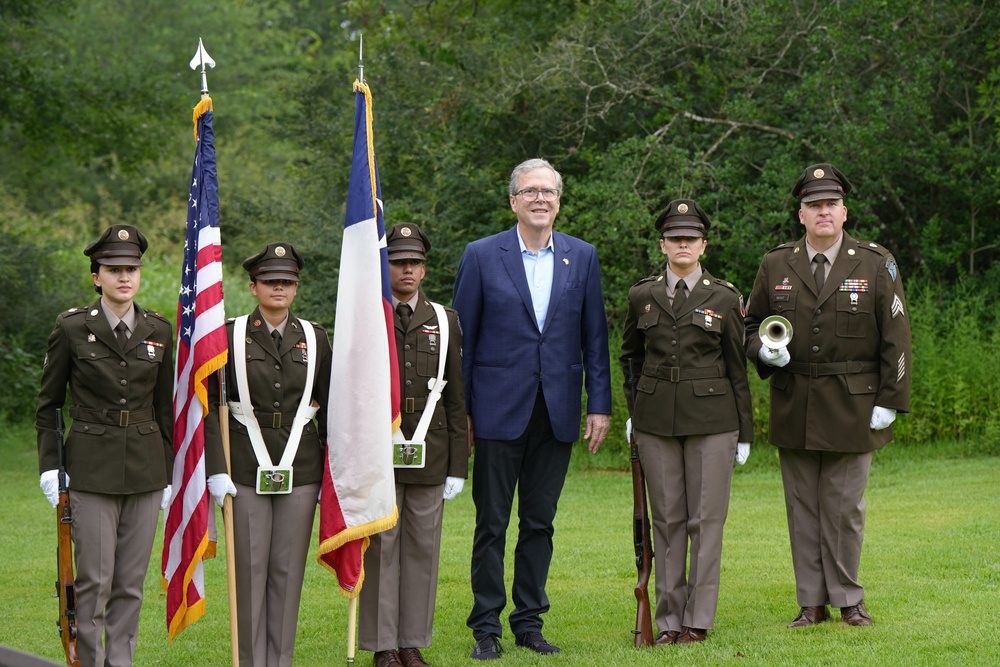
407, 254
682, 232
119, 261
819, 196
277, 275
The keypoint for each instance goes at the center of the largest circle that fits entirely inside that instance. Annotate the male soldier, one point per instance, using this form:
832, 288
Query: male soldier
835, 388
397, 602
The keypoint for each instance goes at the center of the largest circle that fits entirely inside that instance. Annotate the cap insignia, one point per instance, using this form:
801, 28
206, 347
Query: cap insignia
819, 173
279, 251
405, 231
682, 208
123, 234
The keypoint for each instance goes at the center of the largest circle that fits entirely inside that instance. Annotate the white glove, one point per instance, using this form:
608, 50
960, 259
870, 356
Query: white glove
628, 430
452, 487
776, 358
168, 491
742, 452
50, 485
882, 418
220, 485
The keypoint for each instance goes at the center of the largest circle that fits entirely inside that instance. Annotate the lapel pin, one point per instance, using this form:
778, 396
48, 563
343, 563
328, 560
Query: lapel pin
566, 261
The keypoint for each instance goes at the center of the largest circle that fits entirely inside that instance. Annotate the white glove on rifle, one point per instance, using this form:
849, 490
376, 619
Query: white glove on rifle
221, 485
882, 418
50, 485
628, 430
168, 491
776, 358
452, 487
742, 452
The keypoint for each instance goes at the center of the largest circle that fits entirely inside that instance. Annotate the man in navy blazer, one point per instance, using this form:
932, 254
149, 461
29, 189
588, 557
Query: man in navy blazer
532, 312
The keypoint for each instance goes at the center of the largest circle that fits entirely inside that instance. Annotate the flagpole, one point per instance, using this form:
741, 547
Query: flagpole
227, 521
201, 59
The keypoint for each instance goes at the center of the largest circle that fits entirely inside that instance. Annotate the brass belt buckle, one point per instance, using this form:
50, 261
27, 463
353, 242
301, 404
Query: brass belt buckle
123, 418
276, 420
675, 373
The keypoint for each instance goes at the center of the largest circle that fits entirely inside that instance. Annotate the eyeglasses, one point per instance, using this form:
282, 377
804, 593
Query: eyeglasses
532, 194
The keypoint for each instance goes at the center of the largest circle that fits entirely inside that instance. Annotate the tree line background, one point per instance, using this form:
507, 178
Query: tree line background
636, 103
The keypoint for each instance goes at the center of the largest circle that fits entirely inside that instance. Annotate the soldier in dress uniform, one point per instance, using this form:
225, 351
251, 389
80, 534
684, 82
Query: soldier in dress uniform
278, 384
397, 600
835, 388
117, 359
692, 416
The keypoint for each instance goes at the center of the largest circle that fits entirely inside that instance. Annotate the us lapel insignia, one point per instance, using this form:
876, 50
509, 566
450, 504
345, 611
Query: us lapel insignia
91, 338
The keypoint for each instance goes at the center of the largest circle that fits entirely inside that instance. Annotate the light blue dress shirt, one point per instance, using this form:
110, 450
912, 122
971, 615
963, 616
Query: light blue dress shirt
538, 268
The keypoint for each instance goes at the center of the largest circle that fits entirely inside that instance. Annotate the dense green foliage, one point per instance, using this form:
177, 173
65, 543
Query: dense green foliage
636, 102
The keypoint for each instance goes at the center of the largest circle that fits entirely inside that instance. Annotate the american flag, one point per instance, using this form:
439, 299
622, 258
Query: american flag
201, 350
359, 493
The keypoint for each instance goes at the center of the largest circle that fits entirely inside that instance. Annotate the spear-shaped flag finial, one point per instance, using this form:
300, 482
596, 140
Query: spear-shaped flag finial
202, 58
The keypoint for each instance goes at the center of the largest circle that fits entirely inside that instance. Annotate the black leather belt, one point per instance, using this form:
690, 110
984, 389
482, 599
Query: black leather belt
115, 417
831, 368
678, 373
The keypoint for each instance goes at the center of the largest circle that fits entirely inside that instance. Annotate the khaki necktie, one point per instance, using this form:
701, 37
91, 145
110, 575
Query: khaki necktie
121, 333
680, 296
403, 310
820, 273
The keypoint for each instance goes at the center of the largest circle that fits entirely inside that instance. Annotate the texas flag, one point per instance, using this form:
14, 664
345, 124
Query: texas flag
359, 493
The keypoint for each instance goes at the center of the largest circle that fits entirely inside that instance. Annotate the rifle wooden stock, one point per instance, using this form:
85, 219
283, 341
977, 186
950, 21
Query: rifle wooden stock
66, 581
643, 551
640, 535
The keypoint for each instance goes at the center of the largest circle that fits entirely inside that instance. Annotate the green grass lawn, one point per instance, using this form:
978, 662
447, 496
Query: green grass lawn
931, 569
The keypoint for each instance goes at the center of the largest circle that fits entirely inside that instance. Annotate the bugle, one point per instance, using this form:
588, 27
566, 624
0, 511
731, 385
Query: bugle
775, 332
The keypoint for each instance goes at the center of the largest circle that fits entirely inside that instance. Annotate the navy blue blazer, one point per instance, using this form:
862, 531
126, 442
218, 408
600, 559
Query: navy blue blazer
505, 356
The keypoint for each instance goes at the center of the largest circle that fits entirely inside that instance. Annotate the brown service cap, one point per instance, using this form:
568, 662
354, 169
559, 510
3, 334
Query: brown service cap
119, 245
683, 217
277, 261
821, 181
407, 241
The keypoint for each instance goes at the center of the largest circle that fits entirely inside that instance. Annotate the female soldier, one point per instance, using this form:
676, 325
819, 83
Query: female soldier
691, 414
117, 359
277, 378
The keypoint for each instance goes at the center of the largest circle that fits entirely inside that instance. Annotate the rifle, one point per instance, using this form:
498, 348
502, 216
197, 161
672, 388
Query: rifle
65, 583
640, 537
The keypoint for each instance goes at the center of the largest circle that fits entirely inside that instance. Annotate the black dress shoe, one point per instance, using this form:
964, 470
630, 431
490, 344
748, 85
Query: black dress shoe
487, 648
536, 642
810, 616
856, 615
666, 638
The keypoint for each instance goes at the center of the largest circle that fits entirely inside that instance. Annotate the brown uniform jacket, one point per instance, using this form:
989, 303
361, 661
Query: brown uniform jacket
419, 350
120, 439
694, 376
276, 379
850, 346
